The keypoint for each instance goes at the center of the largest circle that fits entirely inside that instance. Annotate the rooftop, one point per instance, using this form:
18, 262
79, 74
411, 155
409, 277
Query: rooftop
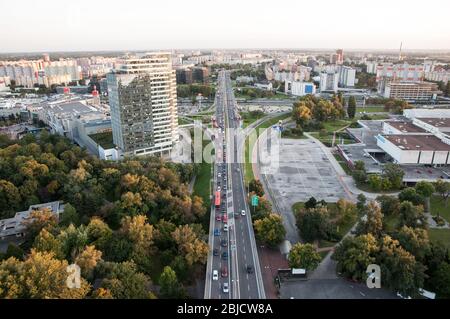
418, 142
104, 139
441, 123
406, 127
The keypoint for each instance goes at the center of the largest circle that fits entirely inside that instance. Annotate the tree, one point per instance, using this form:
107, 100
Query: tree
425, 189
313, 224
361, 204
351, 109
412, 216
441, 281
193, 249
354, 254
46, 242
88, 260
256, 187
360, 176
262, 210
98, 233
170, 287
124, 281
40, 276
394, 173
347, 212
304, 256
375, 182
38, 220
443, 188
9, 199
374, 221
270, 230
311, 203
401, 272
414, 240
390, 205
410, 194
69, 216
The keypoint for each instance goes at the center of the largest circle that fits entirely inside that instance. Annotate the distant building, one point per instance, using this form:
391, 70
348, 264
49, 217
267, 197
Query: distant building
143, 100
338, 57
244, 79
371, 67
412, 91
388, 72
438, 76
184, 76
329, 82
298, 88
264, 86
15, 226
200, 74
347, 76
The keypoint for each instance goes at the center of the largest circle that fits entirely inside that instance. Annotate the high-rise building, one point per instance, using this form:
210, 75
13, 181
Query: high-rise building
143, 101
340, 56
347, 76
329, 81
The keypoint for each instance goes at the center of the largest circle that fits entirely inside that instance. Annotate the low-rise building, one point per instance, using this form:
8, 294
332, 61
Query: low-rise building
298, 88
412, 91
16, 227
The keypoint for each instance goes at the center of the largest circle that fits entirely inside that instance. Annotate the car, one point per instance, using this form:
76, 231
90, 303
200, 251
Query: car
216, 232
224, 272
249, 269
225, 187
236, 215
225, 227
224, 243
225, 255
225, 218
243, 212
219, 175
218, 218
215, 252
225, 287
215, 275
218, 188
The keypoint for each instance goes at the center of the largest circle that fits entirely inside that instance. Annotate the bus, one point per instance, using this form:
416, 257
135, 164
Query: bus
217, 199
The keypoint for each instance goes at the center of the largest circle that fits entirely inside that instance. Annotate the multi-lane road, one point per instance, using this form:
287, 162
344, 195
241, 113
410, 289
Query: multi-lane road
233, 270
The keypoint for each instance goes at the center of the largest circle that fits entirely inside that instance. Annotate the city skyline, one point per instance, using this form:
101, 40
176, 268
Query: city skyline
96, 26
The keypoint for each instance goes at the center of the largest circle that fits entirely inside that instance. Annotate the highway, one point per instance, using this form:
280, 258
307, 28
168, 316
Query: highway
240, 269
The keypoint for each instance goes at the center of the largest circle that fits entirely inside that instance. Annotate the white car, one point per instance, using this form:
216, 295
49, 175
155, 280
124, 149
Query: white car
243, 212
225, 227
218, 188
215, 275
225, 287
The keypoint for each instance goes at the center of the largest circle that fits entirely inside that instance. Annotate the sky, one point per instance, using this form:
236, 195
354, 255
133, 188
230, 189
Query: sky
86, 25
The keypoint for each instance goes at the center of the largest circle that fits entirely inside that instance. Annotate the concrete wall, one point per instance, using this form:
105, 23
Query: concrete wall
426, 157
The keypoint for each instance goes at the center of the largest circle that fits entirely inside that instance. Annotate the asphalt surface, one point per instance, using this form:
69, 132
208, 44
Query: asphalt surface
241, 245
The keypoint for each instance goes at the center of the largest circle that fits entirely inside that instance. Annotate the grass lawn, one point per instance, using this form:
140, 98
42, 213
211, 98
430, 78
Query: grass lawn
248, 148
323, 254
104, 139
327, 140
442, 235
437, 206
183, 121
370, 109
343, 163
248, 118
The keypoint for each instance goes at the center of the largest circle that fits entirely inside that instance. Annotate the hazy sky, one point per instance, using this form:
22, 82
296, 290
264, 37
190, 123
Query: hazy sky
82, 25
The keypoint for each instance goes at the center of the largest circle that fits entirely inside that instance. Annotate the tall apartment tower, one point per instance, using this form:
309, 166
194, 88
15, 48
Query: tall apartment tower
143, 100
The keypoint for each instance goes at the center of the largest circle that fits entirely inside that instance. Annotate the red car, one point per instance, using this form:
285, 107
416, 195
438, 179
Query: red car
224, 271
225, 218
218, 218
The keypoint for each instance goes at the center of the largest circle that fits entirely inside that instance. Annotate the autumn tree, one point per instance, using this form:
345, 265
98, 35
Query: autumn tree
373, 223
193, 249
87, 260
414, 240
256, 187
347, 211
354, 254
443, 188
304, 256
270, 230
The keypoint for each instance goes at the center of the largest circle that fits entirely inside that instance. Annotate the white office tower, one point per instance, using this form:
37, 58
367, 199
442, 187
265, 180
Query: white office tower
347, 76
329, 82
143, 101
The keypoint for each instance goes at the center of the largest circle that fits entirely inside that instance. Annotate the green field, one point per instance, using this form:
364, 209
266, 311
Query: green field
440, 235
202, 185
248, 148
370, 109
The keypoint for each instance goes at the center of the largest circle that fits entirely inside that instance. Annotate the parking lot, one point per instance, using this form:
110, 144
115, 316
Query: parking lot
304, 171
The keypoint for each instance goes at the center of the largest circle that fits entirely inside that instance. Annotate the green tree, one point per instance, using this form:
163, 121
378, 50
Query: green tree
270, 230
390, 205
313, 224
412, 216
425, 189
441, 281
375, 182
351, 109
410, 194
46, 242
9, 199
443, 188
69, 216
170, 287
304, 256
348, 212
394, 173
354, 254
256, 187
361, 203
